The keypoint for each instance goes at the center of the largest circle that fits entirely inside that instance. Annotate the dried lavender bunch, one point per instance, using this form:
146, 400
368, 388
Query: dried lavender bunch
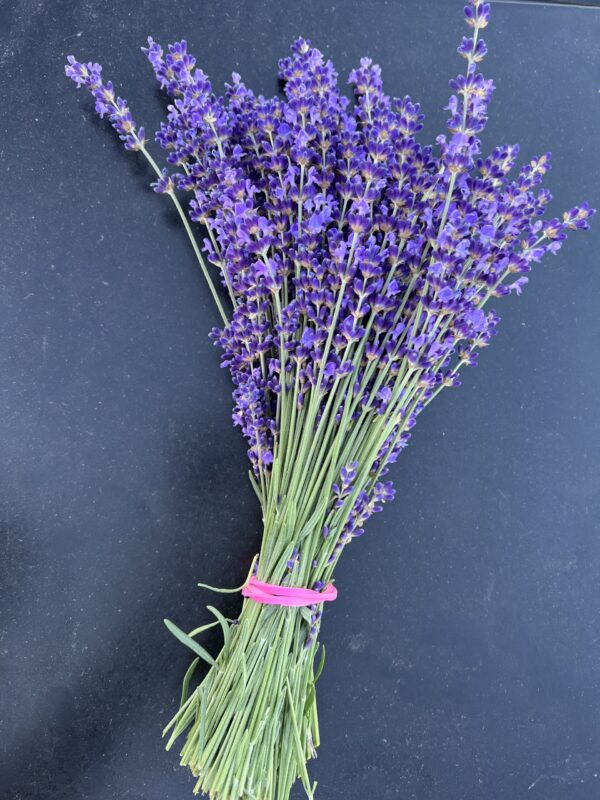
357, 265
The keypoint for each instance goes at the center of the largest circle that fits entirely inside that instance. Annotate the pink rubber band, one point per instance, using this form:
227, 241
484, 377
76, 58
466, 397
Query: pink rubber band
272, 595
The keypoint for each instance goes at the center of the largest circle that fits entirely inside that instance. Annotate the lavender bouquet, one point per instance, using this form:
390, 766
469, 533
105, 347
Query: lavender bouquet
353, 267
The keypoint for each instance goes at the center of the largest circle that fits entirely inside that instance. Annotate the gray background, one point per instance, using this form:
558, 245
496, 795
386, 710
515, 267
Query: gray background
470, 669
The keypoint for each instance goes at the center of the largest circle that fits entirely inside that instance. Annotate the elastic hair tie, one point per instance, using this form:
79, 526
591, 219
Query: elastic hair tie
272, 595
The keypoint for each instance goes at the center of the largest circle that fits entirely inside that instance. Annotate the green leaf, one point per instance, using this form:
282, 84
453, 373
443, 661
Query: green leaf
310, 699
221, 591
189, 642
223, 623
311, 693
306, 615
186, 681
203, 628
182, 724
178, 715
255, 485
321, 664
230, 591
316, 516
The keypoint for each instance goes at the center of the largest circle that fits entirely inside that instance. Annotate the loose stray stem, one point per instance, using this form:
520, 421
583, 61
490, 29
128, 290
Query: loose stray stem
141, 147
191, 237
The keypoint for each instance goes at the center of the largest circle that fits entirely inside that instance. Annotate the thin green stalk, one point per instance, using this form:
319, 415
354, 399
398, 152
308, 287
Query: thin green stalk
191, 237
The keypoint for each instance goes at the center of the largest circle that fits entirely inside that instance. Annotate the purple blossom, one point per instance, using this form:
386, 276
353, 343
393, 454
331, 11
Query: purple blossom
359, 262
90, 76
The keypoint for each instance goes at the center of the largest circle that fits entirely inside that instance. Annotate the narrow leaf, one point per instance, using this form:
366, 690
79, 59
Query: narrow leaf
310, 699
191, 643
255, 485
203, 628
316, 516
230, 591
223, 623
321, 664
221, 591
186, 681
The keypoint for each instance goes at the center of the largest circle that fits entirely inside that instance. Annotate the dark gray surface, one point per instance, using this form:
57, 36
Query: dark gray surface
471, 670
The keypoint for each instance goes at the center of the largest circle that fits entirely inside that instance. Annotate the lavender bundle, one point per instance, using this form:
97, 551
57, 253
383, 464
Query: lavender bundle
353, 270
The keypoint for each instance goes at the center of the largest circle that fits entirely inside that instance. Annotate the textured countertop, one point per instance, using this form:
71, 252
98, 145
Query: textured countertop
471, 670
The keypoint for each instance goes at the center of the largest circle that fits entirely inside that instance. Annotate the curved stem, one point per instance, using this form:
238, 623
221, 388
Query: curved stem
191, 236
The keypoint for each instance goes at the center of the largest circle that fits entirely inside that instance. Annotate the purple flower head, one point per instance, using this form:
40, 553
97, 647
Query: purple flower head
163, 185
358, 262
90, 76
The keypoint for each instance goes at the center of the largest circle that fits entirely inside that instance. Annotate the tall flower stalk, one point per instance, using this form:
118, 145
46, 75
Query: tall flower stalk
356, 266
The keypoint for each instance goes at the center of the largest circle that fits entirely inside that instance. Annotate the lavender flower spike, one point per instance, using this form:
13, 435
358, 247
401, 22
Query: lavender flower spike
90, 76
